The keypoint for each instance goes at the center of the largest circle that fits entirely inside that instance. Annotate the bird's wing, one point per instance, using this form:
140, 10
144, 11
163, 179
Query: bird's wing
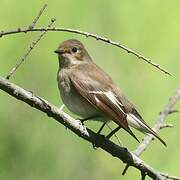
133, 117
98, 91
144, 126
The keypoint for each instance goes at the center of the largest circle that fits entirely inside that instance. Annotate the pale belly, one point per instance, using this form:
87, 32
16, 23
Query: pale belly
75, 102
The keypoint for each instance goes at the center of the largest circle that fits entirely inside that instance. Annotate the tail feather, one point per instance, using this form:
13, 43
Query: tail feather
155, 134
142, 126
132, 134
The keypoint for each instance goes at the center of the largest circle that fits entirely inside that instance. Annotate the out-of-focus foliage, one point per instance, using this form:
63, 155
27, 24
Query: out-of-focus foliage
33, 146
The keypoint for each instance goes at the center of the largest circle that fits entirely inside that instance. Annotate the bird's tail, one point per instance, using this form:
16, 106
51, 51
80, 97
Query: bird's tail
142, 126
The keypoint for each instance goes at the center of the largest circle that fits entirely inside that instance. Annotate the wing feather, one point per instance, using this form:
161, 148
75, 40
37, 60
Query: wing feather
102, 99
99, 90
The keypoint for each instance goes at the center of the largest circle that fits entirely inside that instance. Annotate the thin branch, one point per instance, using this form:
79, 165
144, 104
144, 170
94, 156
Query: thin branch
173, 111
33, 43
31, 47
159, 123
125, 169
76, 126
38, 16
166, 126
143, 175
87, 34
170, 177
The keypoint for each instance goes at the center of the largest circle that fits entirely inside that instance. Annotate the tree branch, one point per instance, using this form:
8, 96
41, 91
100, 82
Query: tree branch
160, 123
170, 177
76, 126
38, 16
87, 34
31, 47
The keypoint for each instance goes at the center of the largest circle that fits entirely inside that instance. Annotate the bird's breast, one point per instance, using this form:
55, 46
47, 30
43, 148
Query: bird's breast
72, 99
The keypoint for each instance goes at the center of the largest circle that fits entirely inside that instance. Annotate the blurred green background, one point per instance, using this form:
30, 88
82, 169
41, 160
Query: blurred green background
33, 146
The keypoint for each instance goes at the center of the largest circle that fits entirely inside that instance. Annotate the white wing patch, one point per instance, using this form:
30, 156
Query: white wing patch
111, 97
134, 122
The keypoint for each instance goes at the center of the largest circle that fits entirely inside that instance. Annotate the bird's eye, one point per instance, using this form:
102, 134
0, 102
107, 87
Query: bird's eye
74, 49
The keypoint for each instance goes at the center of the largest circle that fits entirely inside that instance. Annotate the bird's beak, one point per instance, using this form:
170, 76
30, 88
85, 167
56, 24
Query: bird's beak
56, 51
59, 51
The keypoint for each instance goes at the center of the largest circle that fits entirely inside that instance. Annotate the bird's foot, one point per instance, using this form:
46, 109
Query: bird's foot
98, 133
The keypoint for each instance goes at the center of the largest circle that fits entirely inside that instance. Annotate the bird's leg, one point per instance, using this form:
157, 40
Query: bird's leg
62, 107
101, 128
115, 135
113, 132
99, 131
82, 120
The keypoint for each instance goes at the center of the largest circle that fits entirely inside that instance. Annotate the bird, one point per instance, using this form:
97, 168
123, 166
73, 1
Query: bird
89, 92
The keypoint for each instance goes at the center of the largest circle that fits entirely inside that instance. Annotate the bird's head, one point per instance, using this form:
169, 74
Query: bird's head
72, 52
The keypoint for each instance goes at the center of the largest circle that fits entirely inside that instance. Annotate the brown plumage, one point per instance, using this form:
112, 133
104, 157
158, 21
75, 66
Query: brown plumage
88, 91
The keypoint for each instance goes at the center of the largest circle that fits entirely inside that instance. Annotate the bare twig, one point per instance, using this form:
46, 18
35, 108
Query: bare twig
31, 47
38, 16
173, 111
166, 126
125, 169
143, 175
159, 123
87, 34
170, 177
76, 126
